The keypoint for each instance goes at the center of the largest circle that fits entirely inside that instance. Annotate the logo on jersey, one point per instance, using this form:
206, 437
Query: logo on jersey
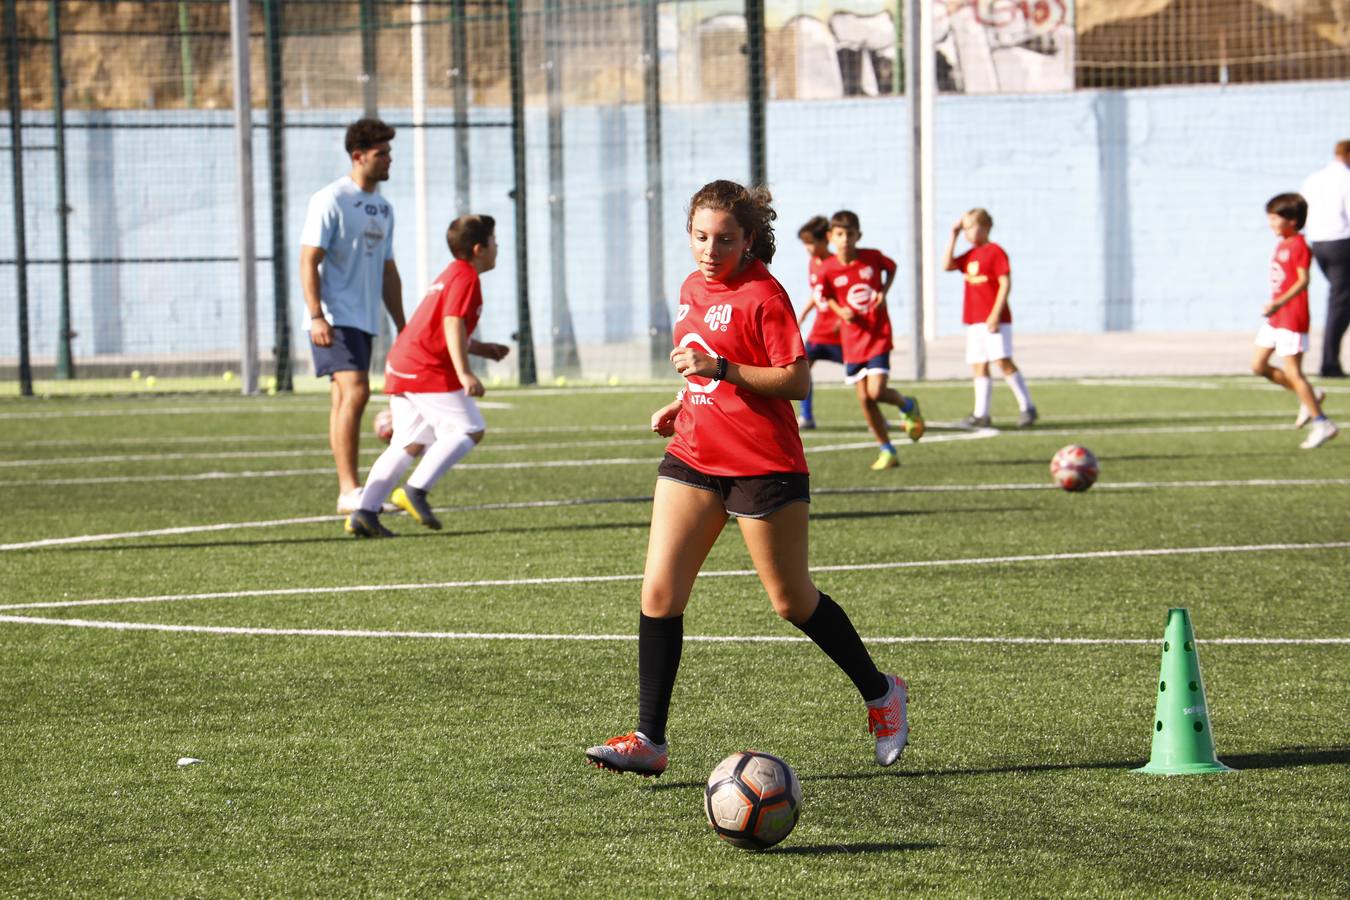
710, 384
840, 280
973, 275
818, 298
862, 298
682, 312
718, 317
865, 273
373, 236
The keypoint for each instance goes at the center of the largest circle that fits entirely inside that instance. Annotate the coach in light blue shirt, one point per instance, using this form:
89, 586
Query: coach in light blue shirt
1328, 230
349, 279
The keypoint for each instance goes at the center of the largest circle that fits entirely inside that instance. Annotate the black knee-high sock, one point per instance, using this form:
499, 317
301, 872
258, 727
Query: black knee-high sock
830, 628
659, 645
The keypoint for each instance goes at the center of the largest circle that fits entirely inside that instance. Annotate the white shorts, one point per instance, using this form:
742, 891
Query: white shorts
1283, 341
421, 418
983, 345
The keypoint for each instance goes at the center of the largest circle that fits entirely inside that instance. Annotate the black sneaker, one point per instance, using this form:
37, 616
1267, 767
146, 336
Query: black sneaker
363, 523
414, 502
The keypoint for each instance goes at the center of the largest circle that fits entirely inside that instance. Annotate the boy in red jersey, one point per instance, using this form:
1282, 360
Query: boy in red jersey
1285, 331
854, 283
431, 385
736, 452
987, 316
823, 342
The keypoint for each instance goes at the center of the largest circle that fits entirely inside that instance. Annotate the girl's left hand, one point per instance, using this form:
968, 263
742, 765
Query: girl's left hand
689, 361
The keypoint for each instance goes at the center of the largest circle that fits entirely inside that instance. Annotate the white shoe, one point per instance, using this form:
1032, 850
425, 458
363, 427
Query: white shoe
888, 720
1322, 432
350, 502
1304, 414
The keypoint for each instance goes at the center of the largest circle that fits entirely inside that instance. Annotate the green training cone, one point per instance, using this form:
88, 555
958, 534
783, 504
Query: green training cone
1182, 741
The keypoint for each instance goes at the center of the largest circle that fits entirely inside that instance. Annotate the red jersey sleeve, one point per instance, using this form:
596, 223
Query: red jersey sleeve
461, 297
959, 263
782, 337
885, 263
998, 262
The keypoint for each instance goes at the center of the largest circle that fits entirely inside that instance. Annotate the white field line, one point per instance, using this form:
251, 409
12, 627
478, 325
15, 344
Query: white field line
956, 435
205, 409
496, 430
1237, 383
630, 638
726, 573
601, 501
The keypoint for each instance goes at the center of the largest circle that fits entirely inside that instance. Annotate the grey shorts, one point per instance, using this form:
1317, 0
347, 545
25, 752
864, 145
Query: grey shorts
349, 352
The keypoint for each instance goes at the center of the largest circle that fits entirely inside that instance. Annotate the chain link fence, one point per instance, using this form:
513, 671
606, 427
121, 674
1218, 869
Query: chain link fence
582, 127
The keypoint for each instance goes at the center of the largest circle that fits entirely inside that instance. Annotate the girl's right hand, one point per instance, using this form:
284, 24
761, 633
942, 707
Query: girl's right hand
663, 420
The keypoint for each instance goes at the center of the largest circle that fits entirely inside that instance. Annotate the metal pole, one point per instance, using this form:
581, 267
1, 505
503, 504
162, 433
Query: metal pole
926, 85
276, 159
754, 50
65, 367
658, 313
418, 50
369, 59
913, 50
565, 358
185, 56
524, 334
459, 72
16, 167
243, 136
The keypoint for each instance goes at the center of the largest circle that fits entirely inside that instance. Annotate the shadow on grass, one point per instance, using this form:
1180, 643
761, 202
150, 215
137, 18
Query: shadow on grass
847, 849
1282, 758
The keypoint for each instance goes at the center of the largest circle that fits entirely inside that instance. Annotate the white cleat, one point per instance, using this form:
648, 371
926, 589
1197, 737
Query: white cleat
1321, 432
1304, 414
888, 721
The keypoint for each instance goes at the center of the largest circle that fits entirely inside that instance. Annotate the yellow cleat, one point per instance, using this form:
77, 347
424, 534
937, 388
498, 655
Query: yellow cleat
912, 421
886, 459
414, 503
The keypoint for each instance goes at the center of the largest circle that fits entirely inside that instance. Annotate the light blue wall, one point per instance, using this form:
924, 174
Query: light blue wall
1134, 210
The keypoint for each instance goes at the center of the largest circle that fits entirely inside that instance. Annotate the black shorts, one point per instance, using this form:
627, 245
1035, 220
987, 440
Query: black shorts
746, 496
349, 352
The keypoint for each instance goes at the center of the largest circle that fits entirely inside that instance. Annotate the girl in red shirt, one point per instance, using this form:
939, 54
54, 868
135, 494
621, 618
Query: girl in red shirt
736, 452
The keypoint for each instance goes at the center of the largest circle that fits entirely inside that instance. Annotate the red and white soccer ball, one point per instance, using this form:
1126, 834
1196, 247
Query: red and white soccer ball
753, 799
1074, 468
384, 425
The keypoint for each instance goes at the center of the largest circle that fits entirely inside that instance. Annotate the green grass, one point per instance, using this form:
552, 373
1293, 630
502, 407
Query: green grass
418, 766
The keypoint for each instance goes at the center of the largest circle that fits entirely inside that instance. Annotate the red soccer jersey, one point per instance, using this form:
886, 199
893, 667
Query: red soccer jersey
1291, 254
857, 285
722, 429
981, 267
419, 362
825, 329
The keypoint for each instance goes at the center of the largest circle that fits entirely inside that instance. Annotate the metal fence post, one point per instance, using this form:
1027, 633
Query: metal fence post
16, 163
565, 359
658, 314
276, 159
369, 59
459, 72
65, 368
524, 334
243, 136
754, 65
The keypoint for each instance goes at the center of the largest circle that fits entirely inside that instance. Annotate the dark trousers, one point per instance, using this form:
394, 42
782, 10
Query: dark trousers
1333, 258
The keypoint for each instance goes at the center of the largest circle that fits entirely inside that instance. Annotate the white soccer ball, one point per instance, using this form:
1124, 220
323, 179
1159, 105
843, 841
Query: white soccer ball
753, 799
1074, 468
384, 425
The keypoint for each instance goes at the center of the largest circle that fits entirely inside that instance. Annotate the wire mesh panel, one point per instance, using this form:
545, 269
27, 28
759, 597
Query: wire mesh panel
618, 112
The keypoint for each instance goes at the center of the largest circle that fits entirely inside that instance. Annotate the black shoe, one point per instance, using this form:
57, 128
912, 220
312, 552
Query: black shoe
365, 524
414, 503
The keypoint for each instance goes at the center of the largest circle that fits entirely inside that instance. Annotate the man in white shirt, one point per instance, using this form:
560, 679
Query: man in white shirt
1328, 230
349, 278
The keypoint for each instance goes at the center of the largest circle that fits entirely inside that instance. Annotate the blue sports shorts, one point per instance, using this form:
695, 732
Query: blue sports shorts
349, 352
877, 365
828, 352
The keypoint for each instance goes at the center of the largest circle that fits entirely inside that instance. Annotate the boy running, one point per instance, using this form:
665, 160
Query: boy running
1285, 331
427, 373
854, 282
987, 316
823, 341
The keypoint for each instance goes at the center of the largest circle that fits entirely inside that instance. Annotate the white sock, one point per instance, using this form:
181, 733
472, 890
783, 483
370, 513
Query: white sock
439, 458
384, 474
984, 388
1019, 388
